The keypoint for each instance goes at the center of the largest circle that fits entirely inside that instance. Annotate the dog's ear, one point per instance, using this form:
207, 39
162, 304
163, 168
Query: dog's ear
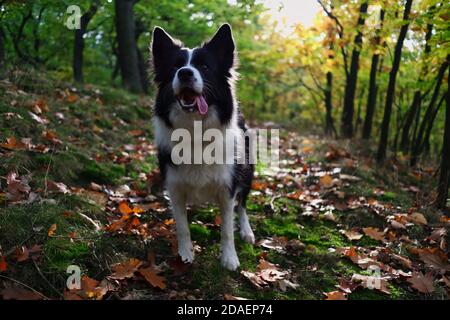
162, 44
222, 45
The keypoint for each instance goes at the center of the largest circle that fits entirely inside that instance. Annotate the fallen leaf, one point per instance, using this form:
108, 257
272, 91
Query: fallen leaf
434, 258
17, 293
326, 181
151, 276
352, 234
21, 254
335, 295
126, 269
3, 264
51, 230
374, 233
422, 283
417, 218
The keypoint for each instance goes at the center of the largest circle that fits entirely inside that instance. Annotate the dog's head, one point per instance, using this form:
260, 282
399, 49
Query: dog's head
194, 80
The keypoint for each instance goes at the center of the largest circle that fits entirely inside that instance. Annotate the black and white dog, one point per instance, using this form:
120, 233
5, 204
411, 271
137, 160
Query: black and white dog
198, 85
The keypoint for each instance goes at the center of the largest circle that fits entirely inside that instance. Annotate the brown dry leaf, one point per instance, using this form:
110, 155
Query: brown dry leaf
71, 295
218, 220
38, 119
3, 264
275, 243
17, 293
72, 98
12, 144
259, 185
352, 234
21, 254
254, 279
153, 278
57, 187
51, 136
434, 258
347, 286
335, 295
51, 230
417, 218
136, 133
422, 283
374, 233
126, 269
326, 181
17, 189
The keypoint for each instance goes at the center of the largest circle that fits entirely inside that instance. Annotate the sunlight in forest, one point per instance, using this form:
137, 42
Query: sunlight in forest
289, 13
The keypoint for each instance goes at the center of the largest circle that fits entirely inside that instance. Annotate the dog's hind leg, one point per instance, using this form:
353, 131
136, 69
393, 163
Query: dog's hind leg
245, 231
229, 257
185, 248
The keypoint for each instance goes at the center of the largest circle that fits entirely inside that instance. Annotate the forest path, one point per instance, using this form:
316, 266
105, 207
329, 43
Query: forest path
79, 187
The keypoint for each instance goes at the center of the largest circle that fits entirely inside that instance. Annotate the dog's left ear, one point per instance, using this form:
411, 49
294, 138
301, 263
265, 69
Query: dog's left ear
222, 45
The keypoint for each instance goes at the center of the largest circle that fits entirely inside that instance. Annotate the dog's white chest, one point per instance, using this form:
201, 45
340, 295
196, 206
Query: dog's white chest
201, 183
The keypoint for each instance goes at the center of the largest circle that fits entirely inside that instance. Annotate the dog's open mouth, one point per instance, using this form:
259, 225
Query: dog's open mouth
189, 100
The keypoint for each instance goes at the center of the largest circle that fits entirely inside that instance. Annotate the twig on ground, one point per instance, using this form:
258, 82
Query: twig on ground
46, 280
25, 285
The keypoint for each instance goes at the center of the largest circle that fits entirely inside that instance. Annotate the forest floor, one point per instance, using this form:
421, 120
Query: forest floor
79, 186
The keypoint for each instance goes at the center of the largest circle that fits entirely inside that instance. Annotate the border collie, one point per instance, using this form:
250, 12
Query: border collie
198, 85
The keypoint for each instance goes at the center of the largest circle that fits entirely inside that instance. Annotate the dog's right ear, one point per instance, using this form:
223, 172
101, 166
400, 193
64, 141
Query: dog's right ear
162, 43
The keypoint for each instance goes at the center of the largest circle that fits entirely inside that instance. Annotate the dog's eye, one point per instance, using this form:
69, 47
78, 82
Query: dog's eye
205, 67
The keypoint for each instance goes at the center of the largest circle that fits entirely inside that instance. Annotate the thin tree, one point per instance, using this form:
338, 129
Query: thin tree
444, 178
127, 48
418, 96
381, 154
352, 79
78, 47
373, 87
428, 117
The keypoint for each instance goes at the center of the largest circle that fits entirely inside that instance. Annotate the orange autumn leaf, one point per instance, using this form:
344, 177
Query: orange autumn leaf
335, 295
12, 144
124, 208
3, 264
152, 278
126, 269
374, 233
51, 230
326, 181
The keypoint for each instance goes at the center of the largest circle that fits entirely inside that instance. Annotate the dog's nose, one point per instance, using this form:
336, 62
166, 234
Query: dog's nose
185, 74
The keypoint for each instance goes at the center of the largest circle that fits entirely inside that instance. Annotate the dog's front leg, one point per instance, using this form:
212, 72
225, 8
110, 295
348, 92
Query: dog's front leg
229, 257
185, 248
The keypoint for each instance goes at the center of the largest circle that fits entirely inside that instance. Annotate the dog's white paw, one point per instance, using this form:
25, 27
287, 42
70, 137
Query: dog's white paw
247, 234
186, 252
230, 259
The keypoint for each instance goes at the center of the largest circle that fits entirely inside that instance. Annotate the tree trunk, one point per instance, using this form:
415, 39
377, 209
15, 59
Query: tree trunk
329, 122
381, 154
2, 47
444, 179
426, 140
127, 49
352, 79
417, 100
78, 47
418, 142
372, 96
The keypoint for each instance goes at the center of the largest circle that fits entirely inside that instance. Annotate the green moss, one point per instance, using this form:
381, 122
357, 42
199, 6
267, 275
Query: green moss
60, 253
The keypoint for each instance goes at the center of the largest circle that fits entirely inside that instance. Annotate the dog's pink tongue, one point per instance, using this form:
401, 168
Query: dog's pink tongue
202, 105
